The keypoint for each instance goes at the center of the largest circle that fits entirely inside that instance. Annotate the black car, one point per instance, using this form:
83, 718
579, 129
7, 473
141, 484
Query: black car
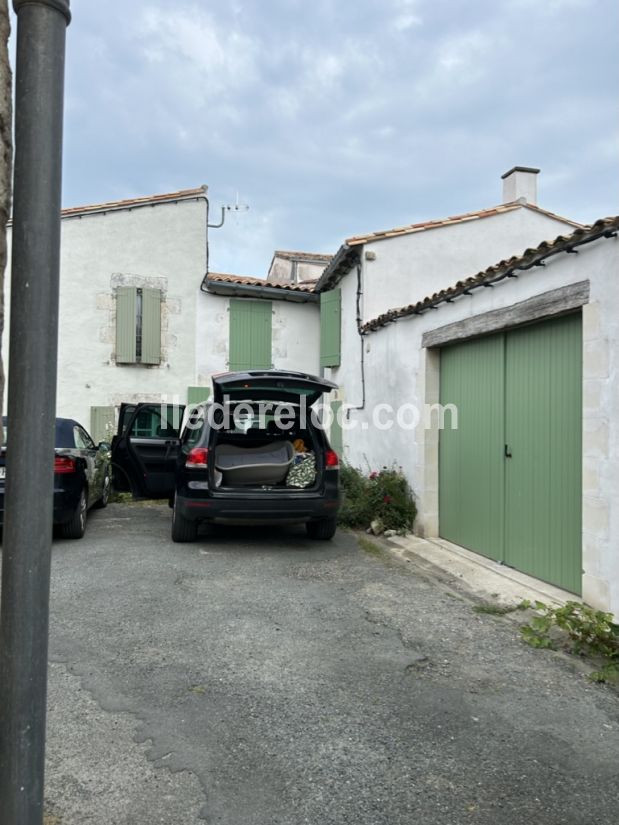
82, 476
255, 453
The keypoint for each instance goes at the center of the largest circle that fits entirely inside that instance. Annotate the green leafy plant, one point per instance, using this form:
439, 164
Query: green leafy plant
355, 509
581, 630
391, 499
383, 494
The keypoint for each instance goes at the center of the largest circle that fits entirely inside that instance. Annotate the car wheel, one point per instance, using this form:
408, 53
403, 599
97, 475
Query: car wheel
76, 527
182, 528
105, 492
322, 530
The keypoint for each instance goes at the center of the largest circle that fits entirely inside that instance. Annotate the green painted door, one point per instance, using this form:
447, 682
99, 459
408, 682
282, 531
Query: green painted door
510, 475
543, 488
250, 335
471, 500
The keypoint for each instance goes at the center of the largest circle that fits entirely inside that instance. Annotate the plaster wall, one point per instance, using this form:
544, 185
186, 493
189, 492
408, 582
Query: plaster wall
408, 268
295, 336
161, 246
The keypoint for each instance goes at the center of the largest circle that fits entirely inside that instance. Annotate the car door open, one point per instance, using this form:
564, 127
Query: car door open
145, 448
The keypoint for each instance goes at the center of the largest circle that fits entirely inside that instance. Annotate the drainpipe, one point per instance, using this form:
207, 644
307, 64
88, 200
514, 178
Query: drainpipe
359, 320
24, 616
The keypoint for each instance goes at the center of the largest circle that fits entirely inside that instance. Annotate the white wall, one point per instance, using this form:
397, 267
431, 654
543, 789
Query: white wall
161, 246
410, 267
399, 371
295, 330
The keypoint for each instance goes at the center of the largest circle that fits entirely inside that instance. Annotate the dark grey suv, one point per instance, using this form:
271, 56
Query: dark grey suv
255, 453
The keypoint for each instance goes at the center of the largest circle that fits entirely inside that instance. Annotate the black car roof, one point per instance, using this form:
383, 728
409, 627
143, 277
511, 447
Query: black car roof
64, 431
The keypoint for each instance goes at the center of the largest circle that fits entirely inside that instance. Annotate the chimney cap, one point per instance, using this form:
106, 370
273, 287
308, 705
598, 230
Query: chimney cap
530, 169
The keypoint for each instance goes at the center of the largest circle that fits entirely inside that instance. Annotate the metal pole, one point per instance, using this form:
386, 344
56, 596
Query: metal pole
24, 607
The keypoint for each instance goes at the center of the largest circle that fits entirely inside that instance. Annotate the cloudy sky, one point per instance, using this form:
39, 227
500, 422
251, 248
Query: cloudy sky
332, 118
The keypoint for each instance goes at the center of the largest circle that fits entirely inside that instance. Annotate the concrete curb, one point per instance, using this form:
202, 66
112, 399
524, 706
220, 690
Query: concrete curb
489, 580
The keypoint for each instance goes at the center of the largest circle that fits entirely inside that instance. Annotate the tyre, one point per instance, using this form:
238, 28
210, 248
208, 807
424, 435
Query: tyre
105, 492
76, 527
182, 528
322, 530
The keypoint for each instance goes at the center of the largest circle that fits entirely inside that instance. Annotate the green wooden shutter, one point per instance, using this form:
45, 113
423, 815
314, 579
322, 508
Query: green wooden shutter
250, 335
335, 435
196, 395
330, 324
126, 303
102, 423
151, 326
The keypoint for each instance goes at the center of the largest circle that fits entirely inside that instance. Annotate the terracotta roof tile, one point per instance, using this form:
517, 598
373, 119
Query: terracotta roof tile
532, 257
467, 216
146, 200
222, 277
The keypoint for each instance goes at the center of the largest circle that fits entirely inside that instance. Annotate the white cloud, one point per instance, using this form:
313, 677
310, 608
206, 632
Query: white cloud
545, 7
406, 21
329, 121
456, 63
199, 52
406, 15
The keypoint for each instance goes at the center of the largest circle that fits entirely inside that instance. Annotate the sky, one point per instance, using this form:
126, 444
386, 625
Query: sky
330, 118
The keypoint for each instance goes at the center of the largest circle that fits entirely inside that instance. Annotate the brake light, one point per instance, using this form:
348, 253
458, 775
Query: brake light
64, 464
197, 459
331, 460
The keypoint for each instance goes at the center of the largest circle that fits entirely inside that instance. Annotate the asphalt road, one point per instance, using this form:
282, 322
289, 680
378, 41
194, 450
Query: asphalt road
258, 678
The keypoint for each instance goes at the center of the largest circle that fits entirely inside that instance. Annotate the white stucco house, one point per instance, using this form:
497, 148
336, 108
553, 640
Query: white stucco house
524, 347
130, 273
138, 320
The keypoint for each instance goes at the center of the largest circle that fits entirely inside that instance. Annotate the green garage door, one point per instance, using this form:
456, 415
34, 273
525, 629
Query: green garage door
510, 475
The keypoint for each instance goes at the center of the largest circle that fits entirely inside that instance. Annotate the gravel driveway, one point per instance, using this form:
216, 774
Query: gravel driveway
258, 678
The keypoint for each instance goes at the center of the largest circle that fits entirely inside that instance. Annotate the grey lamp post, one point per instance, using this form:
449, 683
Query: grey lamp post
24, 607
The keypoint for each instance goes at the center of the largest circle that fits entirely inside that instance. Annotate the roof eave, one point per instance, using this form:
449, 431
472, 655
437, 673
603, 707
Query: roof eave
531, 258
343, 261
228, 289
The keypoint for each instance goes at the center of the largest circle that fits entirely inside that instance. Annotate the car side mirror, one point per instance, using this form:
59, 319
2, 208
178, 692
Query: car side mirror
104, 446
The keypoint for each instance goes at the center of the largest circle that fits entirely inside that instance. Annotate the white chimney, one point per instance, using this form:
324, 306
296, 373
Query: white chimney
520, 183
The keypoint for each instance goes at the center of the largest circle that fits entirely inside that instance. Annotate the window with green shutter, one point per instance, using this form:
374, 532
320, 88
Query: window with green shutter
138, 325
250, 335
330, 326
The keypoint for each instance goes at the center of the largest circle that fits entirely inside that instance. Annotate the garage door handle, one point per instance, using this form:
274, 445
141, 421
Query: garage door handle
508, 452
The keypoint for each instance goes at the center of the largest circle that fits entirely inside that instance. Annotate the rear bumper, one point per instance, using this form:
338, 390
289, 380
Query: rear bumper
65, 503
258, 509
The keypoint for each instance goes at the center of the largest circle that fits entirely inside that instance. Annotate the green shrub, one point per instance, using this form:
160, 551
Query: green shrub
583, 631
355, 507
383, 495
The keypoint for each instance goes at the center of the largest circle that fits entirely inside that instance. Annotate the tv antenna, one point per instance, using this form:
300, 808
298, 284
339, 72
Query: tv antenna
236, 207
